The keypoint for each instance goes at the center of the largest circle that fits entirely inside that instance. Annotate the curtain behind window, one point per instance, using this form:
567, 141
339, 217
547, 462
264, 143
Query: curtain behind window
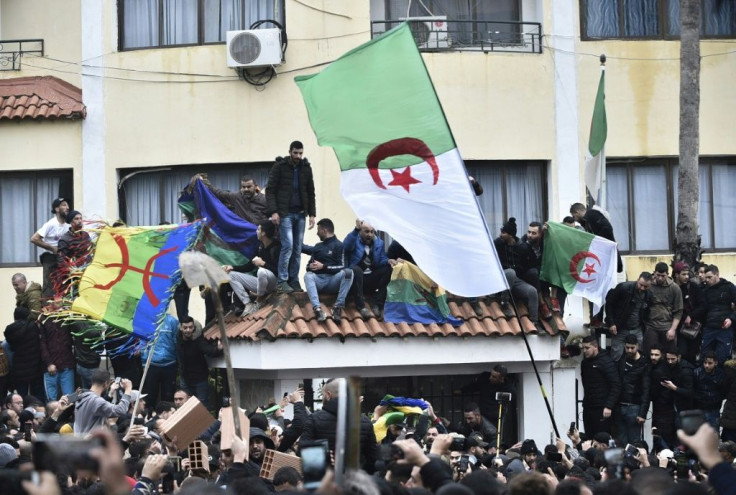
617, 199
180, 22
524, 194
641, 17
140, 24
719, 17
650, 215
601, 18
724, 205
491, 201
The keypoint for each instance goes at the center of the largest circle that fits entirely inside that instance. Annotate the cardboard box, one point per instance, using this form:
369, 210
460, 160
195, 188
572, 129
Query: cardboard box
187, 423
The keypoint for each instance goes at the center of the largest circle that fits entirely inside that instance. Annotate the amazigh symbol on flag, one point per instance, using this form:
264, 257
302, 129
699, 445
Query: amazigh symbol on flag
445, 233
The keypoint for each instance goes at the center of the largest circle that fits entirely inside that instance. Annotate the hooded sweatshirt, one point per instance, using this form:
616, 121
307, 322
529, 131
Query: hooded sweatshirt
665, 305
91, 411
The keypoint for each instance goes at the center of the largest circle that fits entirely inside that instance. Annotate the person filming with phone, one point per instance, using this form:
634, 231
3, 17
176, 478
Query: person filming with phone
92, 410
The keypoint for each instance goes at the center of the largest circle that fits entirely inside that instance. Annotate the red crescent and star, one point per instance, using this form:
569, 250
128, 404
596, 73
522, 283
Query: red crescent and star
402, 146
589, 269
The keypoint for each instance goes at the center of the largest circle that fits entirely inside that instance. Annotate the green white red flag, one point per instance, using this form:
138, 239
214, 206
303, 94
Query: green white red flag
401, 170
581, 263
596, 156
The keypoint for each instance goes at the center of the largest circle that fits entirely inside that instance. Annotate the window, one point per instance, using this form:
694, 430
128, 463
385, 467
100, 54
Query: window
642, 201
25, 205
157, 23
653, 18
510, 189
149, 197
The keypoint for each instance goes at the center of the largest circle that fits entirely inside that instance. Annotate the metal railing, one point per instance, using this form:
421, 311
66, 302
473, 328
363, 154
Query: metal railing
11, 52
437, 34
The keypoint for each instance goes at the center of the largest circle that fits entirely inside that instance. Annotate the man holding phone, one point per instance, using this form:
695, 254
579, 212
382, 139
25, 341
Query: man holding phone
92, 410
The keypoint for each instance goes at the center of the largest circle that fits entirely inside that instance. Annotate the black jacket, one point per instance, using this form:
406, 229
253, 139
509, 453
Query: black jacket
709, 389
322, 425
685, 381
24, 340
618, 305
692, 298
280, 182
270, 255
728, 416
194, 367
519, 257
328, 252
635, 383
716, 305
601, 383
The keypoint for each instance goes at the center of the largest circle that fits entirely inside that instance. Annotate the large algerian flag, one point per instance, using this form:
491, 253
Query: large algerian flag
595, 158
581, 263
401, 170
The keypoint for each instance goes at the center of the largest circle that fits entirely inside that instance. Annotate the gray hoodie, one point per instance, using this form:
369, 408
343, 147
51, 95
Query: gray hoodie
91, 411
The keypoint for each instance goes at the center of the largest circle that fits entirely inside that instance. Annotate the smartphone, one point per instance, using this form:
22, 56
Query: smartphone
462, 464
175, 461
27, 429
72, 398
632, 451
117, 379
68, 453
572, 427
315, 460
691, 420
554, 456
682, 466
614, 462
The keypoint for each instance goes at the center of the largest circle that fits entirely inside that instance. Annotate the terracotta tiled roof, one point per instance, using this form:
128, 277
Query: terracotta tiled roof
44, 97
290, 316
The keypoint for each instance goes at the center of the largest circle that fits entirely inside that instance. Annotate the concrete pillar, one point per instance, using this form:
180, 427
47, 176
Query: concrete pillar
535, 422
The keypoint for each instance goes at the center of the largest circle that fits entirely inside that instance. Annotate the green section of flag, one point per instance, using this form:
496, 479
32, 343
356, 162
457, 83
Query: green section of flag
599, 124
354, 122
408, 291
561, 244
213, 245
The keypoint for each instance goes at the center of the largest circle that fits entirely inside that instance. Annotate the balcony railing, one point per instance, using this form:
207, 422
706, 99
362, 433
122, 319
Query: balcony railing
11, 52
434, 34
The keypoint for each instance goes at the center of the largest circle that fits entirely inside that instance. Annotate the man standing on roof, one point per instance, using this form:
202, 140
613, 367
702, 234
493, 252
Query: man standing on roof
47, 238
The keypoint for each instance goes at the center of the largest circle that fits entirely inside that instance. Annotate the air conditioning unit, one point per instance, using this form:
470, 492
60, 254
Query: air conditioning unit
254, 48
429, 32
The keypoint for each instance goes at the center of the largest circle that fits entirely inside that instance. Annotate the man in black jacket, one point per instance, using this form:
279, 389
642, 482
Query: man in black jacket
265, 266
634, 401
516, 260
290, 198
192, 348
717, 315
322, 425
326, 272
709, 383
23, 338
595, 222
601, 387
626, 310
692, 297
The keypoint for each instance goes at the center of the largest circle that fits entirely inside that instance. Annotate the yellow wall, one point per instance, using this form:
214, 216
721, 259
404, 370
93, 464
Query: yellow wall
726, 263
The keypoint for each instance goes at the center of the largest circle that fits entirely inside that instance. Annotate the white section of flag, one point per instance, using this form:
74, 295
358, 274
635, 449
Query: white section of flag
594, 172
604, 277
440, 225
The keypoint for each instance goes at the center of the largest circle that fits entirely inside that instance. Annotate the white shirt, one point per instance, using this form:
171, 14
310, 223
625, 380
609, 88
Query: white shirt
52, 231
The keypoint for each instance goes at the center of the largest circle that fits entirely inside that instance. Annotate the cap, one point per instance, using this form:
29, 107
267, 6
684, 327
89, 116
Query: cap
680, 266
528, 447
56, 203
7, 454
510, 227
475, 440
134, 394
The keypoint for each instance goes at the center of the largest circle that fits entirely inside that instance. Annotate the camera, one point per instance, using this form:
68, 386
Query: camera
53, 453
458, 443
503, 396
691, 420
315, 459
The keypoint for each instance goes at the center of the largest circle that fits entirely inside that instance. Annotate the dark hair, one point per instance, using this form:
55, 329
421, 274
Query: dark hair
655, 347
590, 339
661, 267
163, 406
327, 224
577, 207
296, 145
712, 268
100, 377
535, 224
247, 178
268, 228
646, 276
186, 319
471, 407
710, 355
483, 482
568, 219
286, 474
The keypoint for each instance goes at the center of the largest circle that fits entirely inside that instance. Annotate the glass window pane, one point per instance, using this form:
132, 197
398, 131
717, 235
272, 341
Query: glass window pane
524, 194
724, 205
140, 23
641, 18
719, 17
617, 198
180, 22
672, 16
143, 199
16, 206
602, 18
221, 16
650, 212
491, 201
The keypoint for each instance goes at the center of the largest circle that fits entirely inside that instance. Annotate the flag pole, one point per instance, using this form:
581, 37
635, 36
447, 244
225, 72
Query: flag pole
534, 365
603, 150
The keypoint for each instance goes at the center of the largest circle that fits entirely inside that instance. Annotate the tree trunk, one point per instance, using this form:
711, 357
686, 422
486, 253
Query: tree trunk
687, 240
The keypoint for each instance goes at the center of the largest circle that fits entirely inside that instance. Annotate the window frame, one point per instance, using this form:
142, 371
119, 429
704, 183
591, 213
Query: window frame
200, 26
669, 164
124, 174
663, 25
66, 183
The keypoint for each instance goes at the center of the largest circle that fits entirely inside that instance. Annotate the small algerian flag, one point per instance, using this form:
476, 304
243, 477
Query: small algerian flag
581, 263
401, 170
596, 157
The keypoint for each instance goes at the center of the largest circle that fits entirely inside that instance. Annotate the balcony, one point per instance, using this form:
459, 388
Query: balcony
437, 34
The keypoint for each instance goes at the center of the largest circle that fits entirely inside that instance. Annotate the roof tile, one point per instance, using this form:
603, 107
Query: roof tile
39, 98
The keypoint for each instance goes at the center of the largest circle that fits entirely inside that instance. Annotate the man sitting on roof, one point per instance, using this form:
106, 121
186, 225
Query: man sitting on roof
365, 255
326, 272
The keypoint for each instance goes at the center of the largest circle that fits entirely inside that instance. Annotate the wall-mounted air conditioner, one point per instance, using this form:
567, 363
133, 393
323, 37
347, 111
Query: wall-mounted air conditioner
429, 32
254, 48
